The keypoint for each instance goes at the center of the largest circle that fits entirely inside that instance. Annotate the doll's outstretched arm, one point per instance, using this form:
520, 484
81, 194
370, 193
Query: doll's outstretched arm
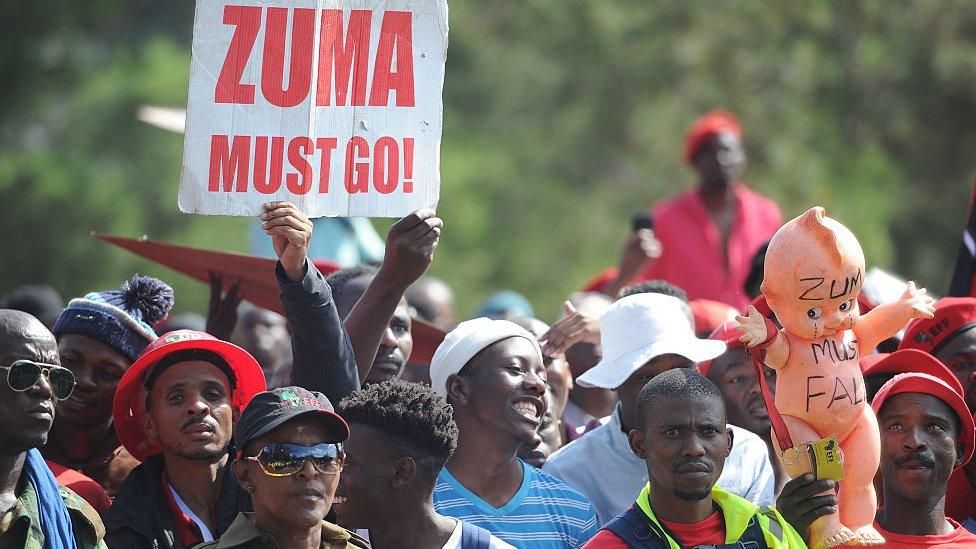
759, 331
885, 320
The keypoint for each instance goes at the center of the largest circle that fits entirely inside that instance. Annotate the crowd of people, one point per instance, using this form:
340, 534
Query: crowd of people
637, 419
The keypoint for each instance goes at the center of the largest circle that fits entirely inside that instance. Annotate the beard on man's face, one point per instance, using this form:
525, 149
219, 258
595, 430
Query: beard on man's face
205, 454
695, 495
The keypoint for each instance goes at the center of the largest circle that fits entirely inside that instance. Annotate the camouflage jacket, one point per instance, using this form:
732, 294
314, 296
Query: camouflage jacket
22, 528
242, 534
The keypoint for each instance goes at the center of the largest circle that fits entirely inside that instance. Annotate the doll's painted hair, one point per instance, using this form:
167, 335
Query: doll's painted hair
812, 224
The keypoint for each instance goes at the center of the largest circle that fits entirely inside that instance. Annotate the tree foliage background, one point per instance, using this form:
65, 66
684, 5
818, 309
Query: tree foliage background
562, 118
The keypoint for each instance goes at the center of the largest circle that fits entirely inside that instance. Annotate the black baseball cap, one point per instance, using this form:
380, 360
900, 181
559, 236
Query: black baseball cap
271, 409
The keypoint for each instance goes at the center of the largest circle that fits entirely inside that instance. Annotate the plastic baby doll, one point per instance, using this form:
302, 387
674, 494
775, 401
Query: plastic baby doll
812, 276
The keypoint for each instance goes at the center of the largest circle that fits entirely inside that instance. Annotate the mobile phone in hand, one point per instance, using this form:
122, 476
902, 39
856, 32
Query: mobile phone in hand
640, 221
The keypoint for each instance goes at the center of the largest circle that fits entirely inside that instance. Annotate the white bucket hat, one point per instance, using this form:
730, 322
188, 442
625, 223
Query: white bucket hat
638, 328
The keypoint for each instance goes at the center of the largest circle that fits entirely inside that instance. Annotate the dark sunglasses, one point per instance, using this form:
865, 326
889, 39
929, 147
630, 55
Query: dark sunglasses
278, 459
24, 374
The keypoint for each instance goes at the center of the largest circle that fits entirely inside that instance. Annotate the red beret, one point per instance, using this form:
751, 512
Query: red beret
908, 361
724, 332
953, 315
930, 385
707, 126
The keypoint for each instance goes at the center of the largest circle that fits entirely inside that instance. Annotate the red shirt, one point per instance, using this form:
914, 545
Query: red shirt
710, 531
88, 489
605, 539
691, 247
960, 497
959, 538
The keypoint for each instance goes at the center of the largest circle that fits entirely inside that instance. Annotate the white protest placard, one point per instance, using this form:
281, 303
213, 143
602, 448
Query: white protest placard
334, 105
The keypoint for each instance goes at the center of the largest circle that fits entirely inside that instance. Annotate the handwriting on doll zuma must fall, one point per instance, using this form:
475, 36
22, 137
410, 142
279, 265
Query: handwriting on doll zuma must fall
835, 351
817, 289
854, 396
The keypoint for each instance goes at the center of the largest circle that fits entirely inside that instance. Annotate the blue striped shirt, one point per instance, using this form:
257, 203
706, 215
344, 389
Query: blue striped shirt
544, 513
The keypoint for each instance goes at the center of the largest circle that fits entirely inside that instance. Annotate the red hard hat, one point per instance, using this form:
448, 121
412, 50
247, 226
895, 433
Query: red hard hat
130, 397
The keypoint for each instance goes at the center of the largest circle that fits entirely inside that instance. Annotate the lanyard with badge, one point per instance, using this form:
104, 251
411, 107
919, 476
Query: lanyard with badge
204, 530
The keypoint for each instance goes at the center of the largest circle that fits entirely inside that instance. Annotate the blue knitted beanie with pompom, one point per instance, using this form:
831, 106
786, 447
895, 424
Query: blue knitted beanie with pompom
122, 319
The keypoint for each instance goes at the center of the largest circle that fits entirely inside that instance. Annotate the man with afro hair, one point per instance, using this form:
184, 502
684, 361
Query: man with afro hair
402, 435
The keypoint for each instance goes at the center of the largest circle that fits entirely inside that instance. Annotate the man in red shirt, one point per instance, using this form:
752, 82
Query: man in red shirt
703, 240
926, 433
950, 336
682, 436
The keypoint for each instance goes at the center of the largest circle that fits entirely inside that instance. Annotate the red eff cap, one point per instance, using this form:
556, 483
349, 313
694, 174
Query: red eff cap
724, 332
908, 361
868, 362
953, 315
930, 385
130, 396
707, 126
